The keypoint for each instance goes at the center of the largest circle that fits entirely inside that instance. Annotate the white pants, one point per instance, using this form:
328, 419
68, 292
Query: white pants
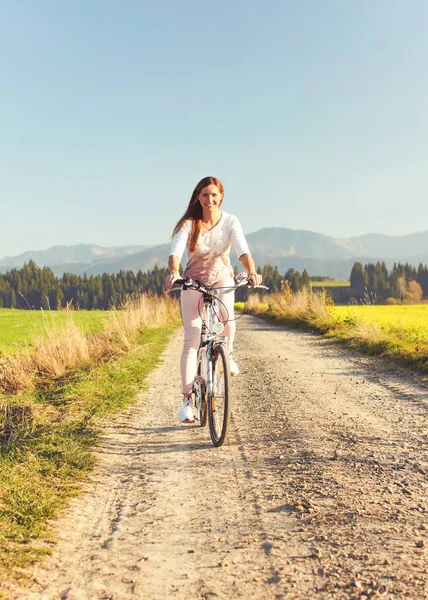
191, 309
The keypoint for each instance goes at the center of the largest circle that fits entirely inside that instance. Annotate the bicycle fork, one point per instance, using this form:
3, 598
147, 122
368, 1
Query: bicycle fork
211, 373
205, 354
206, 366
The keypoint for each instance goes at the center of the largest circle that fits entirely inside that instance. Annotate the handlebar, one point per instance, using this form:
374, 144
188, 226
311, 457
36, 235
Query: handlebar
194, 284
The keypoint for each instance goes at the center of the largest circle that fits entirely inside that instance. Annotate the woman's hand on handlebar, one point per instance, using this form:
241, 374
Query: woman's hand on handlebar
255, 278
173, 276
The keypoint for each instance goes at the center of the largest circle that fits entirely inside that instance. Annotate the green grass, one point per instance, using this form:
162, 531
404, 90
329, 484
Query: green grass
19, 327
51, 435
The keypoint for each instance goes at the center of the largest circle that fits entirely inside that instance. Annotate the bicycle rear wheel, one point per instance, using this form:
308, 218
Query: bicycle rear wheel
219, 399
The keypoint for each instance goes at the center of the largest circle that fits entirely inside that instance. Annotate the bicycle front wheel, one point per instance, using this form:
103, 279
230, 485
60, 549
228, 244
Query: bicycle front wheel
200, 389
219, 399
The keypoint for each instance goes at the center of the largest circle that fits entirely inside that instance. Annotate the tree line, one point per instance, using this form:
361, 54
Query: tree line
368, 283
404, 283
274, 280
33, 287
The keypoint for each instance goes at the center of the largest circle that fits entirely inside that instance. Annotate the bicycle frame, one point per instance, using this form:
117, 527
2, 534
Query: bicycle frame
210, 338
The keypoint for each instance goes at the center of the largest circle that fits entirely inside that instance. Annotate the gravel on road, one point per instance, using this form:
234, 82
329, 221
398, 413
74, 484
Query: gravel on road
320, 492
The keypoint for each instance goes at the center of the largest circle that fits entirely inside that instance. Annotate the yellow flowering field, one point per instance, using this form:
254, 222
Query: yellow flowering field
405, 322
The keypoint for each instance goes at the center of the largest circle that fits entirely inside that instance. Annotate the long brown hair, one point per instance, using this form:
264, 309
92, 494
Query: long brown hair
194, 210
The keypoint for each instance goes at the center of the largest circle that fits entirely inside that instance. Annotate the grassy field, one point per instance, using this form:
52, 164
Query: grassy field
329, 283
408, 323
20, 327
60, 343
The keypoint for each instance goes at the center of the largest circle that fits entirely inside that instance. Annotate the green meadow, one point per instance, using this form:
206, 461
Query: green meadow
19, 327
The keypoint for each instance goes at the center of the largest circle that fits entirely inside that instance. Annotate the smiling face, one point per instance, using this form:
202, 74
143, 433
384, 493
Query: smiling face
210, 199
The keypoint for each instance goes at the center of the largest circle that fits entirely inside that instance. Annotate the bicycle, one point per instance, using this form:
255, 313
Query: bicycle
211, 390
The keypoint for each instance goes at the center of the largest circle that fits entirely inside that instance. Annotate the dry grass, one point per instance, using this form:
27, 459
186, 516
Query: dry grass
138, 314
302, 306
61, 351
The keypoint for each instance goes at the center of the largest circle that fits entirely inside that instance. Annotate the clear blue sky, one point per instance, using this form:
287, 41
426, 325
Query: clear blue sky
313, 113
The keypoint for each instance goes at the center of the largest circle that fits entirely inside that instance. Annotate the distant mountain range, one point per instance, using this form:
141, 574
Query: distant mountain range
64, 255
285, 248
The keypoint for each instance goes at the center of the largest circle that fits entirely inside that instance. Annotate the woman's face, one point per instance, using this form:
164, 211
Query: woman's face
210, 198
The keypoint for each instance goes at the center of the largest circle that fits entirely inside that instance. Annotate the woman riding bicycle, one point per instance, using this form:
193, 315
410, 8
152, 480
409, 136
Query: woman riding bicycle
207, 233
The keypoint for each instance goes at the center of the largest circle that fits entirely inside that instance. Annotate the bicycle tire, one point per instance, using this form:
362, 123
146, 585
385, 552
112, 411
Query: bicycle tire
200, 390
219, 400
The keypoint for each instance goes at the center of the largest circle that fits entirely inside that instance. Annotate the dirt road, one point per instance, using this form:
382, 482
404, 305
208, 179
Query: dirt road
321, 491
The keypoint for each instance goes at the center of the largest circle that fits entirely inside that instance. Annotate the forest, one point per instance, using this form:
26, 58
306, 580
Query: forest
33, 287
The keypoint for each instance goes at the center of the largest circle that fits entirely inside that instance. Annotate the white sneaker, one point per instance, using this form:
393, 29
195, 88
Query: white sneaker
234, 369
185, 414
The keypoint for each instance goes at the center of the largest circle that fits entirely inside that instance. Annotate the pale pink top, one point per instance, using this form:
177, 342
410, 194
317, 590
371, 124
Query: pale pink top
211, 255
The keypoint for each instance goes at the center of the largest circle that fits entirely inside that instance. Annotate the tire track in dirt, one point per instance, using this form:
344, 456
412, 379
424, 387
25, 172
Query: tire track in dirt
320, 492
